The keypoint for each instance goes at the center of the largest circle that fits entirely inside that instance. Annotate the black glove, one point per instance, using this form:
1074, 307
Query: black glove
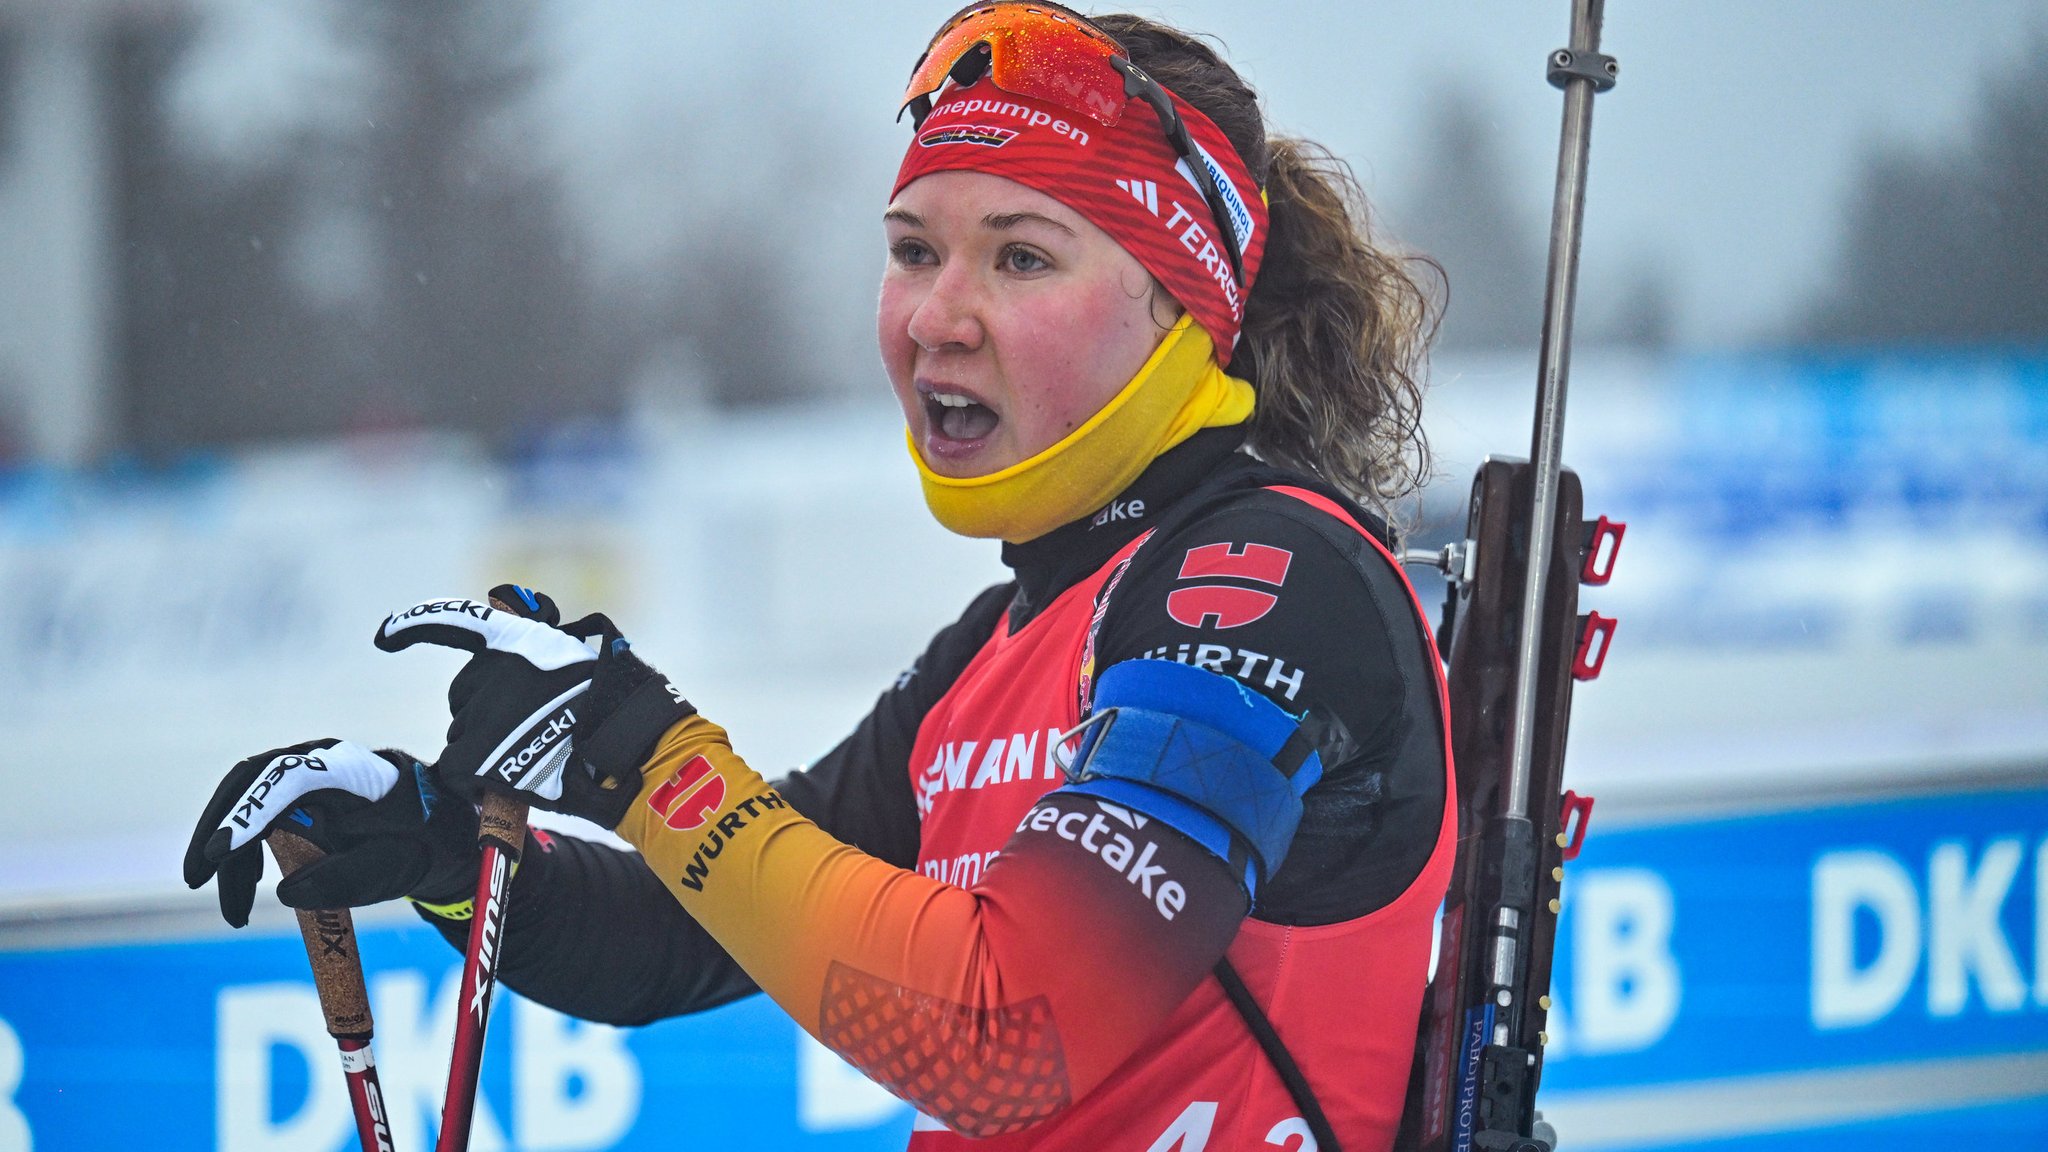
564, 716
377, 815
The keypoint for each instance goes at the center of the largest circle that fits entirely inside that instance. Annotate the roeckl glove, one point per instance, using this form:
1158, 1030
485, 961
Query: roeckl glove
562, 715
377, 815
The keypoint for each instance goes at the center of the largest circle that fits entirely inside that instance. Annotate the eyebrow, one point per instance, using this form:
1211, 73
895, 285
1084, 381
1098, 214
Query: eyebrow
1004, 221
999, 221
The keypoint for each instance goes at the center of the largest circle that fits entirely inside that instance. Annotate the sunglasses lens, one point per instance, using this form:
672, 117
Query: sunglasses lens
1034, 50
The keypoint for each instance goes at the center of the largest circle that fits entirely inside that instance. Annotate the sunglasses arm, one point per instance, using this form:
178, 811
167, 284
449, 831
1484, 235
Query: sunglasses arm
1139, 85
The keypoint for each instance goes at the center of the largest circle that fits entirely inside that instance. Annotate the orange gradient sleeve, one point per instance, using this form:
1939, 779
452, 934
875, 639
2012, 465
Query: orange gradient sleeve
988, 1008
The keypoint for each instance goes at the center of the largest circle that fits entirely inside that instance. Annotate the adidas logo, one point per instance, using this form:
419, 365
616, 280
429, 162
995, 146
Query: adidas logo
1145, 192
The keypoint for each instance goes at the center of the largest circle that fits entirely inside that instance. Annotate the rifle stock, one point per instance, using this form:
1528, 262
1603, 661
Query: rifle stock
1477, 1067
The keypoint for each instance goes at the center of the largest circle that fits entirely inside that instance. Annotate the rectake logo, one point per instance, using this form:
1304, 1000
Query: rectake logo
1094, 831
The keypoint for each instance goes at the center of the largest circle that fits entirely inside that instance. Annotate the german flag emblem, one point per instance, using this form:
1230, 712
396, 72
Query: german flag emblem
986, 135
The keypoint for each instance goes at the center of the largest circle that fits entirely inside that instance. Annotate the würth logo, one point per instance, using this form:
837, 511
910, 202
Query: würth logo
691, 797
1228, 605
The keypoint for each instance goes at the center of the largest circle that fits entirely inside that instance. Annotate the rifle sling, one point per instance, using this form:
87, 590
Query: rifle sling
1276, 1051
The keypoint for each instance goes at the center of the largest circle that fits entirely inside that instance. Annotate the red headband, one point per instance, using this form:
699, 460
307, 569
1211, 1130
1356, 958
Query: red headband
1124, 179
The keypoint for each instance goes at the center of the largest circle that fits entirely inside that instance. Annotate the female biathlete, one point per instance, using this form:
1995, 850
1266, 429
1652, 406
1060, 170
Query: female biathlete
1150, 839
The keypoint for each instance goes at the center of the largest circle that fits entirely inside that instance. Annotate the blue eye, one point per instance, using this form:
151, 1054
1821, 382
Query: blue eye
1017, 258
909, 252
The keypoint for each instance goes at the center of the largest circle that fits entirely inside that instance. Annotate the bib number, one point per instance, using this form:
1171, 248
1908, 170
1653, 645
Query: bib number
1190, 1130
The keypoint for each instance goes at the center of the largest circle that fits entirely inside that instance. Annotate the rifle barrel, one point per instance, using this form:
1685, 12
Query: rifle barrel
1546, 449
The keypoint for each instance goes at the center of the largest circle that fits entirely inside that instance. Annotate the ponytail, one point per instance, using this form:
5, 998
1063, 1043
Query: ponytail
1337, 329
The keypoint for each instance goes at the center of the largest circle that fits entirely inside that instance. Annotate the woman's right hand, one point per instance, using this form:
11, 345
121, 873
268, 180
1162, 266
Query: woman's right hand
378, 815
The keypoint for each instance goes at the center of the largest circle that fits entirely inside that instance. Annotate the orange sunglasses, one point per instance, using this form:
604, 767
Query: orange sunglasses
1043, 51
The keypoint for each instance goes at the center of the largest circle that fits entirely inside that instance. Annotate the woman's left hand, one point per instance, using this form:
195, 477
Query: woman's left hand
562, 716
376, 815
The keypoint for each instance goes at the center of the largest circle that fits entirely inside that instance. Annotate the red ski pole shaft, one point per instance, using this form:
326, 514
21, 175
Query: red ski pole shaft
330, 937
501, 832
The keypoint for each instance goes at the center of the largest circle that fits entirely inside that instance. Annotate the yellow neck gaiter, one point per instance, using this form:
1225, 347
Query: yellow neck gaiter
1180, 391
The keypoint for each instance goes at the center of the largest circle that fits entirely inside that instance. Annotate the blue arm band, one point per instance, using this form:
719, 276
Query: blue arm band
1201, 753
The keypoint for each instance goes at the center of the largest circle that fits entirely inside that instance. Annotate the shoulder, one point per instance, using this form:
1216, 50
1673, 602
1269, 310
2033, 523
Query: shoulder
1287, 595
1252, 499
1296, 598
1268, 546
1324, 528
1293, 595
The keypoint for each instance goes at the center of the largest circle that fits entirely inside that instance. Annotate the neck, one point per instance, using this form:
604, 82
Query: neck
1047, 565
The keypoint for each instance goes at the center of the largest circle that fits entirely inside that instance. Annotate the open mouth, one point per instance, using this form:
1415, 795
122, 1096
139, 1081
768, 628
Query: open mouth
957, 416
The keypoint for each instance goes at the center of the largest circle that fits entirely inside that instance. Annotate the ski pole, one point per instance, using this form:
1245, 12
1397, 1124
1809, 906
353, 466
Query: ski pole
501, 833
330, 936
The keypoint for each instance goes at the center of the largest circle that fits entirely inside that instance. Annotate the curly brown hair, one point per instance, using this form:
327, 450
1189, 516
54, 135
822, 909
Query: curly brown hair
1337, 329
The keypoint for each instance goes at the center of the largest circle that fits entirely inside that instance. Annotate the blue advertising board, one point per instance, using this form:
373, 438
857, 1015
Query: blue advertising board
1865, 976
1807, 971
219, 1045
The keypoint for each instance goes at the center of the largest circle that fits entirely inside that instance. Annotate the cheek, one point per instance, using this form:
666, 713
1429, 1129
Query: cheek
893, 309
1082, 352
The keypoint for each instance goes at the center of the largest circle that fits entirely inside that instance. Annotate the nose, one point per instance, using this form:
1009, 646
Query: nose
949, 317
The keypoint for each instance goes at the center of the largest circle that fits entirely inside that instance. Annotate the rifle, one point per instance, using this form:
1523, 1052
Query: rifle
1514, 645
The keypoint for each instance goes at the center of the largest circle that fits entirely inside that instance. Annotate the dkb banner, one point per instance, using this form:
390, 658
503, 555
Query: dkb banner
1867, 977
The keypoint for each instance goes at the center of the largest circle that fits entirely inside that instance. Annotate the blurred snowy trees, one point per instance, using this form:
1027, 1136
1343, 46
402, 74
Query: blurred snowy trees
216, 341
1464, 214
479, 314
403, 256
1949, 245
1491, 238
421, 252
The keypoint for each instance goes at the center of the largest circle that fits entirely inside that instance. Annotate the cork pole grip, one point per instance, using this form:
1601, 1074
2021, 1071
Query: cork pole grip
501, 818
330, 937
